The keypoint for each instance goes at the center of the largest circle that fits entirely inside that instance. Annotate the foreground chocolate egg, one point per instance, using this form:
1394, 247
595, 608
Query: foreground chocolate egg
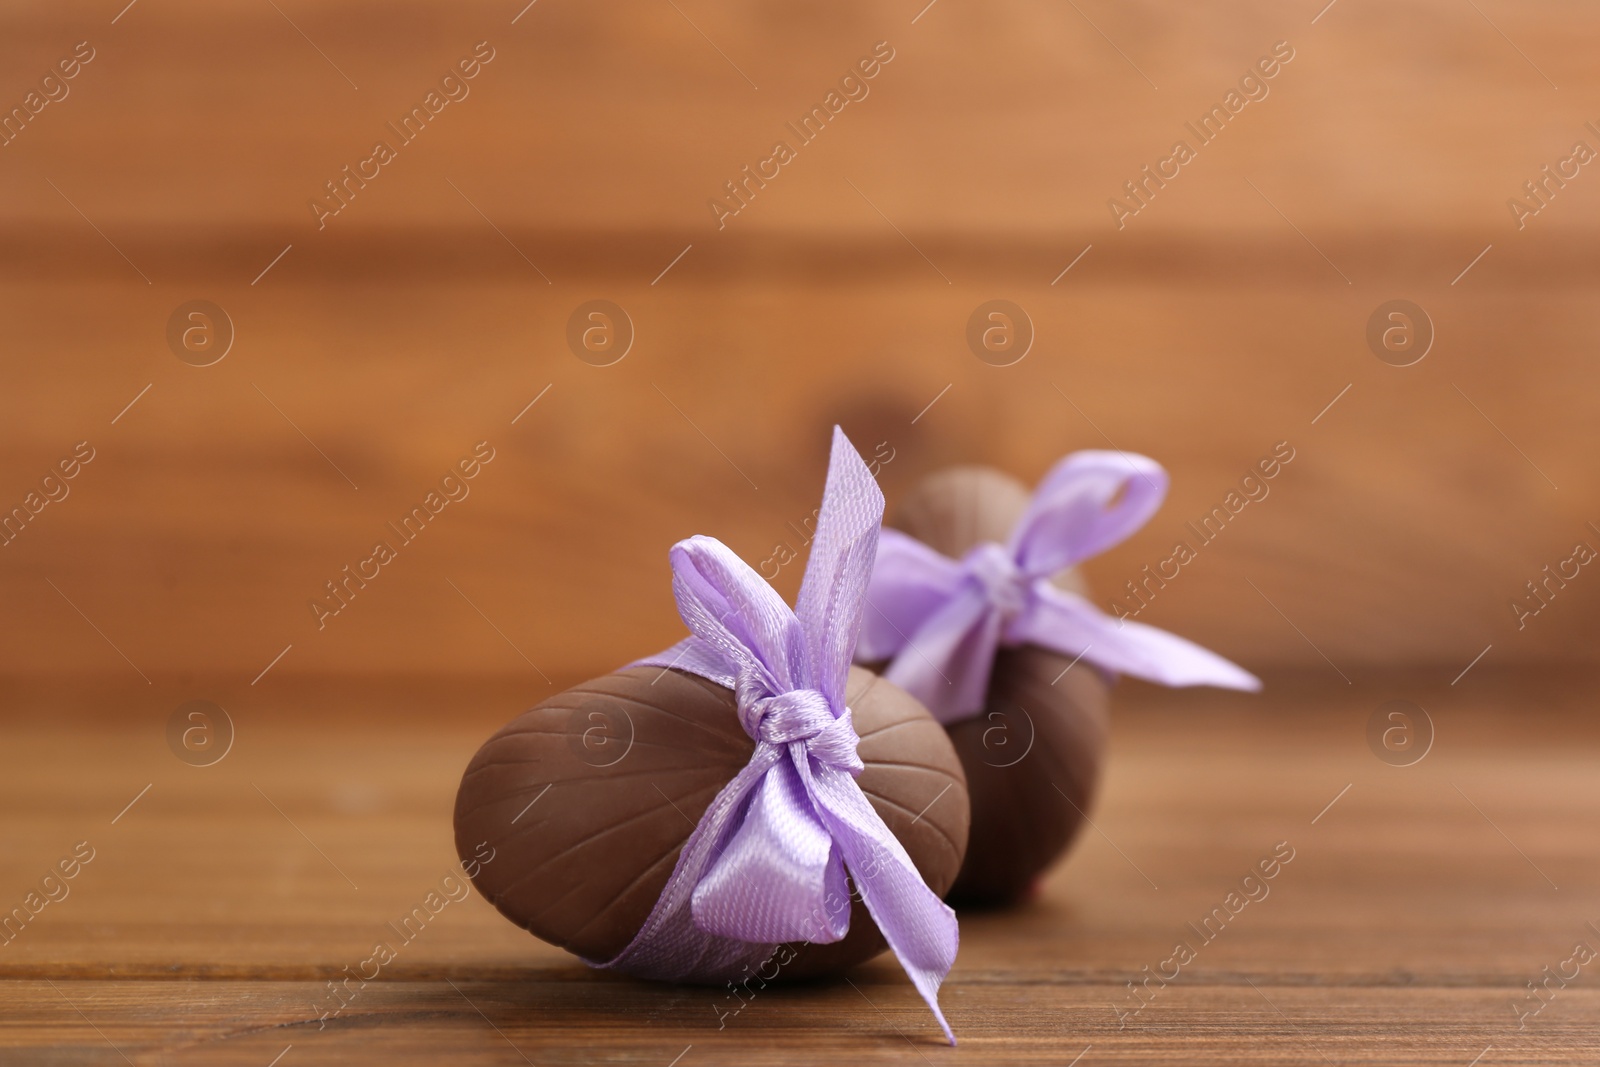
587, 799
1032, 756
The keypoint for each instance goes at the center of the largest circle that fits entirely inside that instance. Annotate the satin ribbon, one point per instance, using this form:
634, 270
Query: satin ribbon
939, 621
774, 847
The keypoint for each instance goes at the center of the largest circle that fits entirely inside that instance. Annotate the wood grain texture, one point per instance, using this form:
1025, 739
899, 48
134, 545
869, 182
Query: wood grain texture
1413, 114
419, 321
431, 313
1416, 907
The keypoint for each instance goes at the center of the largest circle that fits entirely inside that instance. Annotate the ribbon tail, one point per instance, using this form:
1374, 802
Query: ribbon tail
1069, 624
920, 928
829, 607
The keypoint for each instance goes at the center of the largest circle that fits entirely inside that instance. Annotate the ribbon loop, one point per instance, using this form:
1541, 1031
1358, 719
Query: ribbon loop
939, 622
1089, 501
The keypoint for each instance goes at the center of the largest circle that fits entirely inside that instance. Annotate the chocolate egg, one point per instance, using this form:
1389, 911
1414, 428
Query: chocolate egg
587, 799
1032, 756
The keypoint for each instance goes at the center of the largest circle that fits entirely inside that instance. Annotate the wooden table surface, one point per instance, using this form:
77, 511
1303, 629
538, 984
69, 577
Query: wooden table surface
1418, 904
1394, 559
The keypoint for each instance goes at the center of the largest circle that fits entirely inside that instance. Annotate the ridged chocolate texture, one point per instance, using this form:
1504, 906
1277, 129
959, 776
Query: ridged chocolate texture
1033, 756
588, 798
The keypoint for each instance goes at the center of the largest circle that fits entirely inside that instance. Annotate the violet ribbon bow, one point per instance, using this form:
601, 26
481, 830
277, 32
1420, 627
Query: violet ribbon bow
773, 849
939, 621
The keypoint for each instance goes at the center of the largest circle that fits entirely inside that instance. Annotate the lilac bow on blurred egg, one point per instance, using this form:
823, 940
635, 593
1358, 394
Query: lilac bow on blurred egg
939, 621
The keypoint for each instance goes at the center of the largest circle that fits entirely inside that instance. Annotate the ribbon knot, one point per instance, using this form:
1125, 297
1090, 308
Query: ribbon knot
803, 716
1004, 584
939, 622
773, 858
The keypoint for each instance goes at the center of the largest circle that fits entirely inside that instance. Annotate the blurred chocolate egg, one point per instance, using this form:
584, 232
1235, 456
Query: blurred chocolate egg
587, 798
1032, 756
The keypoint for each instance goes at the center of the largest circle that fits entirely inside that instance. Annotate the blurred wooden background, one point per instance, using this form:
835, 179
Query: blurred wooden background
375, 352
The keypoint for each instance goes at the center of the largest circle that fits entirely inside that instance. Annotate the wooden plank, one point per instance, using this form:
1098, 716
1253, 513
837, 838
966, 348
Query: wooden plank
585, 1022
1414, 113
376, 350
1418, 903
223, 491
